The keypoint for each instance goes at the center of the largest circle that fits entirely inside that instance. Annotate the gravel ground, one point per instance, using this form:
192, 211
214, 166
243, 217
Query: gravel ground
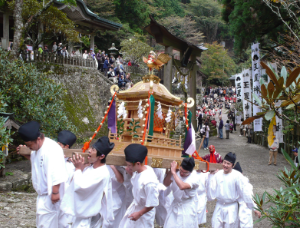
17, 209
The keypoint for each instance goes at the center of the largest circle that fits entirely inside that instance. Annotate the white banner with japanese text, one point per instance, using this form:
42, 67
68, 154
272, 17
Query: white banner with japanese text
239, 96
256, 74
247, 94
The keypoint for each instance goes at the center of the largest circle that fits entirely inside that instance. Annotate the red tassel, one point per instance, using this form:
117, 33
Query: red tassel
86, 145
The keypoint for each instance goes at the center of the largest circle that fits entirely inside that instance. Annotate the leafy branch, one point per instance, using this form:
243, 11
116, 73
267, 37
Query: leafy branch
120, 127
133, 126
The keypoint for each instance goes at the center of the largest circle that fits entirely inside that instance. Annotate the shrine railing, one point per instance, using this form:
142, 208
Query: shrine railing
59, 59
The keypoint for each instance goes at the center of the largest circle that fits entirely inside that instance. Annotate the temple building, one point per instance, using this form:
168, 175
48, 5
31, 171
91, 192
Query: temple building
86, 21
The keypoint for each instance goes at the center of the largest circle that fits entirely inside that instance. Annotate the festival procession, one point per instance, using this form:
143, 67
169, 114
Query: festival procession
149, 114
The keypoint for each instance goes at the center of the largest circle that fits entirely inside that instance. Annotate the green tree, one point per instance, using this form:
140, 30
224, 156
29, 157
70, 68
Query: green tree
30, 95
21, 28
166, 8
55, 23
134, 12
208, 16
251, 21
183, 27
134, 49
217, 64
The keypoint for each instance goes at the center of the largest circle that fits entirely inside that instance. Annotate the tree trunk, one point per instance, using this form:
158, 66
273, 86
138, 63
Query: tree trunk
214, 34
18, 25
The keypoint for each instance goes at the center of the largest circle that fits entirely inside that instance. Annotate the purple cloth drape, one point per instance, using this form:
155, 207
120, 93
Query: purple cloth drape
112, 118
188, 141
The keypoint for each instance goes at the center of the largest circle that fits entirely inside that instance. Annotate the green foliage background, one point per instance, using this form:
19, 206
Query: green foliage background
30, 95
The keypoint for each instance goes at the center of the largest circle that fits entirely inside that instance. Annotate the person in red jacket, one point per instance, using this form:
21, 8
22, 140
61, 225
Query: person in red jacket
213, 156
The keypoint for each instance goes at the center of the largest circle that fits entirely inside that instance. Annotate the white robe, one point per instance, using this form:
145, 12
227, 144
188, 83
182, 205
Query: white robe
64, 219
245, 213
127, 184
89, 194
161, 211
183, 210
48, 169
227, 189
201, 197
118, 196
145, 192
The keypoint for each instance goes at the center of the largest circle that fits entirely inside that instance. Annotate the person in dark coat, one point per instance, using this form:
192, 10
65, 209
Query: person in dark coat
200, 116
105, 65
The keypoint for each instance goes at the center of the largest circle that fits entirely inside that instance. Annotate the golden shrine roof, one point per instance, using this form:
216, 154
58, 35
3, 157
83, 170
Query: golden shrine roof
141, 89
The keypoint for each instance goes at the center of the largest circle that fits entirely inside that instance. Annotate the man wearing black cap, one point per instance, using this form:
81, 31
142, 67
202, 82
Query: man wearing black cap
245, 214
90, 194
66, 139
145, 189
184, 185
227, 186
48, 173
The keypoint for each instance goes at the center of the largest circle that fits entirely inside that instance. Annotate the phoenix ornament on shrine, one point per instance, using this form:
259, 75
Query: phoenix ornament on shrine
156, 62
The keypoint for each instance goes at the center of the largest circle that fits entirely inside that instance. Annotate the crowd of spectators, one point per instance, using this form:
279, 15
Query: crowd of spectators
111, 67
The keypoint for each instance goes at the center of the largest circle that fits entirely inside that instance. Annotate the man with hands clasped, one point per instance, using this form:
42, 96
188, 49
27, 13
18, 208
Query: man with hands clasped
184, 185
89, 197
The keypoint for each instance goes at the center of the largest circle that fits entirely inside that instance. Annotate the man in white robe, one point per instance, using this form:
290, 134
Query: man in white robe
161, 211
48, 173
227, 186
184, 185
89, 196
245, 214
141, 212
127, 174
66, 139
118, 195
201, 197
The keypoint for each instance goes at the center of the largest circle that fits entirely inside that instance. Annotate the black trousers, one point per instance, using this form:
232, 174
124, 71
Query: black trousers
234, 125
99, 64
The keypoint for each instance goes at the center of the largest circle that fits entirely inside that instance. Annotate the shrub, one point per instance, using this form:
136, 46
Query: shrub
283, 206
30, 95
4, 133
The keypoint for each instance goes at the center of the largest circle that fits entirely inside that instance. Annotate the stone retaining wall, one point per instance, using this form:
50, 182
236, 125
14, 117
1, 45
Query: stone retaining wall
19, 181
87, 95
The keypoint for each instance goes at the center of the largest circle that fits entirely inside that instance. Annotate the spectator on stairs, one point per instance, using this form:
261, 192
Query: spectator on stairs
105, 65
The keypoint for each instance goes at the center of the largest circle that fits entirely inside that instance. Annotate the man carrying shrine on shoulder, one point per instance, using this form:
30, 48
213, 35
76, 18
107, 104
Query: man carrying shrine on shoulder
66, 139
48, 172
89, 197
227, 186
184, 185
145, 189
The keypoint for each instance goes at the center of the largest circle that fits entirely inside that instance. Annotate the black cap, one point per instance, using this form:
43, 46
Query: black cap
30, 131
230, 157
103, 146
66, 137
135, 153
188, 164
238, 167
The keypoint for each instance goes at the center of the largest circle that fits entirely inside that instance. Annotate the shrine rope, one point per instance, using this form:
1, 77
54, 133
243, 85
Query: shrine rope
87, 144
146, 123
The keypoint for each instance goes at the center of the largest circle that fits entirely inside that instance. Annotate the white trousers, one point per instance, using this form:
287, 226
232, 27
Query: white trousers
91, 222
225, 216
46, 212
